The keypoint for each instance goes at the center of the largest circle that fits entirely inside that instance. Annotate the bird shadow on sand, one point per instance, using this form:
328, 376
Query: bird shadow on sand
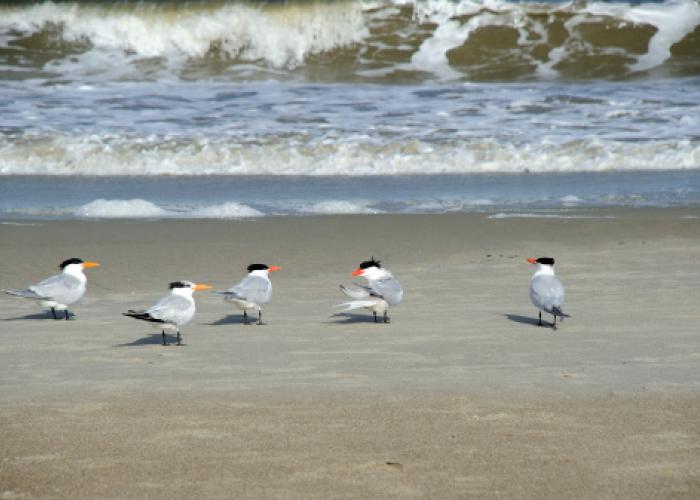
527, 320
37, 316
152, 339
231, 319
347, 319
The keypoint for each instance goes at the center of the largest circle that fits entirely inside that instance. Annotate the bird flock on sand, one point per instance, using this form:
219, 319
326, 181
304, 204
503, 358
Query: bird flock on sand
177, 308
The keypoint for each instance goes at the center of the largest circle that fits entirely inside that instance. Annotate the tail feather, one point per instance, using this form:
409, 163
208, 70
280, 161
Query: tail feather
27, 294
142, 315
228, 295
556, 311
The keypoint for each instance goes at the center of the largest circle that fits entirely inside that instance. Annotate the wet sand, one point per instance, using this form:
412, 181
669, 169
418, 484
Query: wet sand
462, 395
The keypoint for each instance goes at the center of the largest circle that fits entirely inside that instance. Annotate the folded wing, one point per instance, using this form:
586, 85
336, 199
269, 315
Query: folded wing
57, 286
547, 293
172, 309
388, 289
253, 289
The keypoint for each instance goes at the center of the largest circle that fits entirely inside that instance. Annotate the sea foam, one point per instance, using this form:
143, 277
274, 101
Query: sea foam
120, 209
112, 155
374, 39
229, 210
143, 209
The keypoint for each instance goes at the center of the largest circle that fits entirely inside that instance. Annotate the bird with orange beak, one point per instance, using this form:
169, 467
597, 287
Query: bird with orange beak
61, 290
252, 292
546, 291
381, 291
172, 311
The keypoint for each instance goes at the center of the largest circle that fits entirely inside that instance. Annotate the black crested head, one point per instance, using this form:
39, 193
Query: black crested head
370, 263
546, 260
68, 262
179, 284
257, 267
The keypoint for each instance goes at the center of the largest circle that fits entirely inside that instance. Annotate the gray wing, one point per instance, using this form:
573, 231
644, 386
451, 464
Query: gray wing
56, 286
362, 292
172, 308
387, 288
253, 289
547, 292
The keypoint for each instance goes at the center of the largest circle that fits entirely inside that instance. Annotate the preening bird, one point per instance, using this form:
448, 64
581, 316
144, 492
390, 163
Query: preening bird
546, 291
172, 311
381, 291
252, 292
61, 290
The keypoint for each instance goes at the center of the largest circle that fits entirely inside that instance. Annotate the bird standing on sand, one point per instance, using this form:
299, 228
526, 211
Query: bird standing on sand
252, 292
382, 290
61, 290
172, 311
546, 291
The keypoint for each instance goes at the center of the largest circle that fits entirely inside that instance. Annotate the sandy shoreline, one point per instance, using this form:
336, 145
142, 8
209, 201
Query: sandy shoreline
606, 407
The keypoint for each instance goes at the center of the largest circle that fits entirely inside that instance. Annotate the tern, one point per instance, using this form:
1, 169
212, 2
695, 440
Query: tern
61, 290
382, 290
172, 311
252, 292
546, 291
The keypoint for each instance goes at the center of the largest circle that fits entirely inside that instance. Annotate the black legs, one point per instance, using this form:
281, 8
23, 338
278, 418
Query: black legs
554, 323
385, 318
66, 314
246, 321
179, 338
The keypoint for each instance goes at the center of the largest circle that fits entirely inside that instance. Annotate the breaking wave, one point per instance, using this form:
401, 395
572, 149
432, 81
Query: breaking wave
109, 156
378, 41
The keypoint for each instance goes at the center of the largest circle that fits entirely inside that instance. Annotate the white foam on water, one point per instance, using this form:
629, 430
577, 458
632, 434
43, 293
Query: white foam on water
115, 38
329, 207
111, 155
571, 199
120, 209
280, 35
140, 209
672, 21
229, 210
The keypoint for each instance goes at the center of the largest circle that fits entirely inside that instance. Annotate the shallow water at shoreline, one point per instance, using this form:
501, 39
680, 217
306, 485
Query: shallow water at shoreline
37, 197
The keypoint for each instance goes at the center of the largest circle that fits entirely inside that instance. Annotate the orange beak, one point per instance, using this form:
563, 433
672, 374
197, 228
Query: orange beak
87, 265
274, 268
358, 272
532, 260
199, 288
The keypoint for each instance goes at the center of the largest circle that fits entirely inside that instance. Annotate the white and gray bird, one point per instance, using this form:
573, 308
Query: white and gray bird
252, 292
172, 311
61, 290
546, 291
381, 291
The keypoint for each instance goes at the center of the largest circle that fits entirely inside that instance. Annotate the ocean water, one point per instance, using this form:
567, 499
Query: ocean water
232, 109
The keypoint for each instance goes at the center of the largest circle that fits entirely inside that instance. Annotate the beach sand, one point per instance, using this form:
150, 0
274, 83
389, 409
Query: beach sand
461, 396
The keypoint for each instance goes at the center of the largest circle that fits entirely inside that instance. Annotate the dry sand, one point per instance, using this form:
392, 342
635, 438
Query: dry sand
461, 396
